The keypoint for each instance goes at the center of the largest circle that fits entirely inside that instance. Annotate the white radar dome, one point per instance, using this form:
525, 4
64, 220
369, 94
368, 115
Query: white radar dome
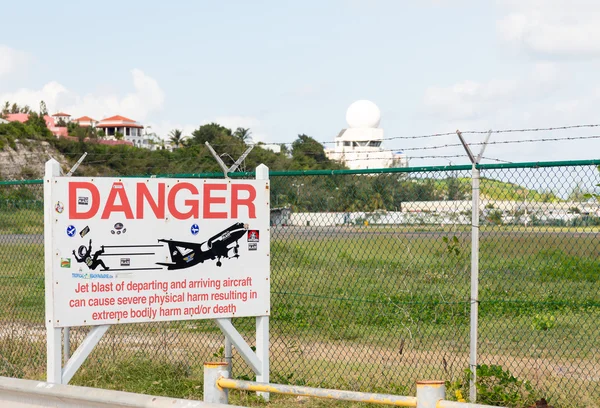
363, 114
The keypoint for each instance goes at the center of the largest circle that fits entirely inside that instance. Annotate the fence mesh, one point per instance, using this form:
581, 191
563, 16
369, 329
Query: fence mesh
371, 286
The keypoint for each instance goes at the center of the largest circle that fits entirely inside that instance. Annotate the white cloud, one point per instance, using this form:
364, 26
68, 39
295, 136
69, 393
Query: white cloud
545, 97
146, 98
552, 27
468, 99
11, 60
472, 100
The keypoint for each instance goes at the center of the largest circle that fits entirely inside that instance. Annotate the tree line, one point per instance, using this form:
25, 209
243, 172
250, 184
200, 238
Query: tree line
191, 156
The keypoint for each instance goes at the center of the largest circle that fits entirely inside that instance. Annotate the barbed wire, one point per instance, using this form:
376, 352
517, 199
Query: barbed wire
536, 140
523, 130
95, 156
496, 160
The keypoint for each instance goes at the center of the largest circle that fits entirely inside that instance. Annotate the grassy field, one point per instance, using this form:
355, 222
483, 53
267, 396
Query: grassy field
370, 311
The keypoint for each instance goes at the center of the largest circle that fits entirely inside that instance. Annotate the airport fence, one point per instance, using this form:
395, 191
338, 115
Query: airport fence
371, 285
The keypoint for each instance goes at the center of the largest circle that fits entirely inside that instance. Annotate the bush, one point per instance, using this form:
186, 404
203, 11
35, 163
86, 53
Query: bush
495, 386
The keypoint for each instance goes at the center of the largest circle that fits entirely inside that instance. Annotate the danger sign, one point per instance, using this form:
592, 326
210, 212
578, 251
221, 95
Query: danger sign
141, 250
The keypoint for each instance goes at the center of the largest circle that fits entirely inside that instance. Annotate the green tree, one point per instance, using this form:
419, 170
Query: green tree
243, 134
80, 132
307, 153
5, 109
15, 108
43, 109
455, 190
176, 137
209, 133
495, 217
578, 194
36, 125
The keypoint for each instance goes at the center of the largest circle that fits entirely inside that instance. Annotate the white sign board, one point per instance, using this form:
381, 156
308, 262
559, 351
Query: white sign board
144, 250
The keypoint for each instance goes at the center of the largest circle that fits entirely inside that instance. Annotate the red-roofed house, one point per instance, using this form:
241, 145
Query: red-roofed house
17, 117
22, 117
64, 116
120, 124
85, 121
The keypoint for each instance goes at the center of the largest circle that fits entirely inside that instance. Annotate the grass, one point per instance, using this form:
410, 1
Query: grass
21, 221
373, 311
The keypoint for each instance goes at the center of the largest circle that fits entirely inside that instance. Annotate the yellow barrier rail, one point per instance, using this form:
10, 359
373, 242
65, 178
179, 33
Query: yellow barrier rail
430, 394
382, 399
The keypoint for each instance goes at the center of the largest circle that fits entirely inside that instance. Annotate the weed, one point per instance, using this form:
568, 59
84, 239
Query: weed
543, 322
495, 386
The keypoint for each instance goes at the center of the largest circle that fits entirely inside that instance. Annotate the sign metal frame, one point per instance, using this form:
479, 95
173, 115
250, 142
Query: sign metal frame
258, 360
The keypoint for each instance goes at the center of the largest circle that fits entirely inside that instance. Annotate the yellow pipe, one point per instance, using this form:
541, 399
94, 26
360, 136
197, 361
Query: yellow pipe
383, 399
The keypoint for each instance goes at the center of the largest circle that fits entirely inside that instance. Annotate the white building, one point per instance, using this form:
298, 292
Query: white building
85, 121
131, 130
360, 145
65, 117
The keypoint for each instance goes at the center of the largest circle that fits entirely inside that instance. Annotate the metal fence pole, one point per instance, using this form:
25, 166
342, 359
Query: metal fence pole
212, 392
227, 353
474, 284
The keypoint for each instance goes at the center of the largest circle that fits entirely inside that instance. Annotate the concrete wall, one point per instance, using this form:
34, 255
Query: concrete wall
17, 393
447, 212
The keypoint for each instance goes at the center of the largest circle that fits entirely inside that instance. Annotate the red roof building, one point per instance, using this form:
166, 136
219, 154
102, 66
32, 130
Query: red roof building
23, 117
85, 121
129, 128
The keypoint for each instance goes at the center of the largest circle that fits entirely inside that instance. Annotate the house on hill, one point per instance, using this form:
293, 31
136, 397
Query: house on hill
60, 116
50, 123
85, 121
129, 128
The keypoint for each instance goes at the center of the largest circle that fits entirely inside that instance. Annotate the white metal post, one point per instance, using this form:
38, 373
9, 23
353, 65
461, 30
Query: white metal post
228, 354
429, 393
474, 285
66, 343
212, 392
53, 335
262, 352
83, 351
262, 322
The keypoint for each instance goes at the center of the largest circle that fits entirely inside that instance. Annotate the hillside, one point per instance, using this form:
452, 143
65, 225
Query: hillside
25, 159
24, 148
500, 190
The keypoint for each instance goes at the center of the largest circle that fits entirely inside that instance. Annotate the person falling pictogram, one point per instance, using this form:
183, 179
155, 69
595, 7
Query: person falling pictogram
91, 261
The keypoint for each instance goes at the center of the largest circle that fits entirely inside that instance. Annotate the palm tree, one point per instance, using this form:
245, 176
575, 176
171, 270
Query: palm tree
242, 134
6, 108
176, 137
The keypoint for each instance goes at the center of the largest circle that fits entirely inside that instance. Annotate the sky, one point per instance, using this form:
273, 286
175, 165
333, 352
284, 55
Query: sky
283, 68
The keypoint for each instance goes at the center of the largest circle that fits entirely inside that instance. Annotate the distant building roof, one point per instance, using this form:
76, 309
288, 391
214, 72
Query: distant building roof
66, 115
3, 120
84, 119
119, 121
118, 117
17, 117
22, 117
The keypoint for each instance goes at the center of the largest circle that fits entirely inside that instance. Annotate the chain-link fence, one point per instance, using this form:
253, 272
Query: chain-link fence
371, 285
